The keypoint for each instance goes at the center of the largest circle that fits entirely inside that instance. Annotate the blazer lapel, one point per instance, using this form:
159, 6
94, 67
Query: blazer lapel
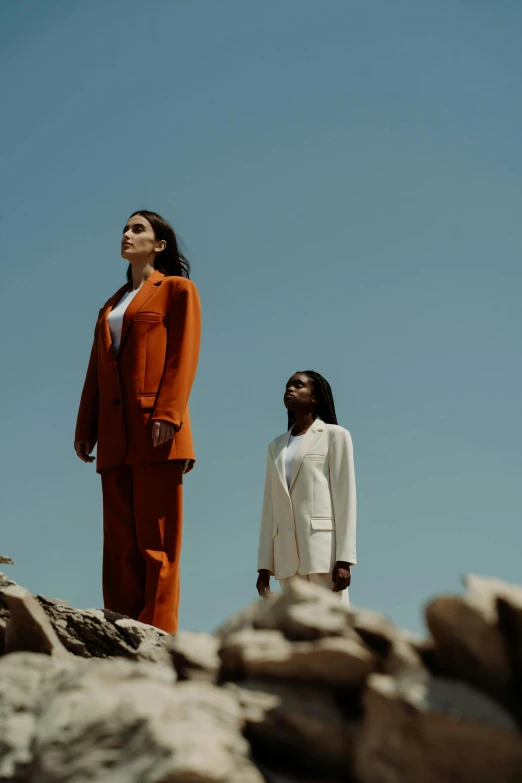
104, 323
143, 295
279, 459
309, 440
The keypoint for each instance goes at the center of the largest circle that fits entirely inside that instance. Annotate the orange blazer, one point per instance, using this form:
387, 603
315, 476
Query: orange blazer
149, 378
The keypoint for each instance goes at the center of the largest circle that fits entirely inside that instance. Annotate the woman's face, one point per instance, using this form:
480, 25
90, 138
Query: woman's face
138, 242
299, 393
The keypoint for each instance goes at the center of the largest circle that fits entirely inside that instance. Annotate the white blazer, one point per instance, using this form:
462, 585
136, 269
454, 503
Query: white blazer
306, 529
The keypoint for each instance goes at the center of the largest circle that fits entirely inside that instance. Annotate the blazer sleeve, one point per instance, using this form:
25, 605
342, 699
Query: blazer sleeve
342, 486
265, 556
87, 420
183, 342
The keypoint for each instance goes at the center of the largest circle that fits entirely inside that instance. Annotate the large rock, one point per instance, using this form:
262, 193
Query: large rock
397, 649
92, 633
469, 644
336, 661
297, 728
436, 731
22, 680
29, 628
195, 656
133, 726
65, 721
305, 612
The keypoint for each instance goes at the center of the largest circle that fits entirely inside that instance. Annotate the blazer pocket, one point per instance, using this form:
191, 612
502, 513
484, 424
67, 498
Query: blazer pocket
149, 317
314, 458
322, 523
275, 530
147, 401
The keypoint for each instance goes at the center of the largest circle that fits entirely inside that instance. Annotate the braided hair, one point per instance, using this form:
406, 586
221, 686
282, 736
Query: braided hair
326, 407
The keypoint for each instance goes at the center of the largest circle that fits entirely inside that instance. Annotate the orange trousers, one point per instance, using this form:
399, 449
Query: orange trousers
142, 526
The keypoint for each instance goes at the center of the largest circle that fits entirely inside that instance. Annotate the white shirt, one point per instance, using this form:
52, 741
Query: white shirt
115, 317
293, 445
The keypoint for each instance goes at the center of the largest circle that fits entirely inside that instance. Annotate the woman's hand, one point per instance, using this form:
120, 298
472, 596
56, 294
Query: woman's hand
83, 448
341, 576
162, 432
263, 583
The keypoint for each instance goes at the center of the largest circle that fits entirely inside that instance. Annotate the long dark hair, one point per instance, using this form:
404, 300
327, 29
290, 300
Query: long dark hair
323, 391
170, 261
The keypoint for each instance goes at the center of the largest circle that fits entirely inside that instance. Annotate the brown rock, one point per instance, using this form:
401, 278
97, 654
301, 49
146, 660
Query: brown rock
469, 644
396, 648
436, 731
296, 728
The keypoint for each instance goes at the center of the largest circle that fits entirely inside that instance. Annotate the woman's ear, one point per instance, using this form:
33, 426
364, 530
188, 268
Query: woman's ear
162, 244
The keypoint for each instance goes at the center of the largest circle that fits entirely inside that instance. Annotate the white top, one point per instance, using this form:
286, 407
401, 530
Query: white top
293, 445
115, 317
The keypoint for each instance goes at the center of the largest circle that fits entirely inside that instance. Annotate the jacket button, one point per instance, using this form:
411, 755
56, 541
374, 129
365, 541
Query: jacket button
117, 401
291, 528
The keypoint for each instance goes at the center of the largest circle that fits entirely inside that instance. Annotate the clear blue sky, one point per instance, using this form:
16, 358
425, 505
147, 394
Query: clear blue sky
346, 177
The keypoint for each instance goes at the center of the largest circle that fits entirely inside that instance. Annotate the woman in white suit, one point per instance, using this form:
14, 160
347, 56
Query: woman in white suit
308, 520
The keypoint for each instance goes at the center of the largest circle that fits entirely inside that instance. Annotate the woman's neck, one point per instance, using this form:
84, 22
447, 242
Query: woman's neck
141, 271
303, 422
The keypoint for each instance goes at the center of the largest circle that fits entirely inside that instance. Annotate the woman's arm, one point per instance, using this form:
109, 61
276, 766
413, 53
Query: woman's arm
342, 487
86, 433
183, 341
265, 556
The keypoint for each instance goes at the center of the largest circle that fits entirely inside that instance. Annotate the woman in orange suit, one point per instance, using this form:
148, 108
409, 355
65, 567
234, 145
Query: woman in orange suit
134, 405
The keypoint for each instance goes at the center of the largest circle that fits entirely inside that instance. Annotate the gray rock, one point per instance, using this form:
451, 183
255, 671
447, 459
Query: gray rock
29, 628
22, 680
268, 655
124, 722
435, 731
305, 612
94, 633
195, 656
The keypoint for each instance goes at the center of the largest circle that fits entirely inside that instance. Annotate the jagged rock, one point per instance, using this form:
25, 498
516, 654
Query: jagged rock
296, 728
4, 611
397, 648
6, 560
435, 731
22, 679
306, 612
132, 726
246, 618
95, 633
28, 628
336, 661
195, 656
505, 603
469, 645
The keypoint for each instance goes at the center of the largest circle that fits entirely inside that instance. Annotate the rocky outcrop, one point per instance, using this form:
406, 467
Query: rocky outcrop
297, 688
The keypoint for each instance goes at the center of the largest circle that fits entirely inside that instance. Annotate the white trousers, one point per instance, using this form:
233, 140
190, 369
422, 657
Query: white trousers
324, 580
